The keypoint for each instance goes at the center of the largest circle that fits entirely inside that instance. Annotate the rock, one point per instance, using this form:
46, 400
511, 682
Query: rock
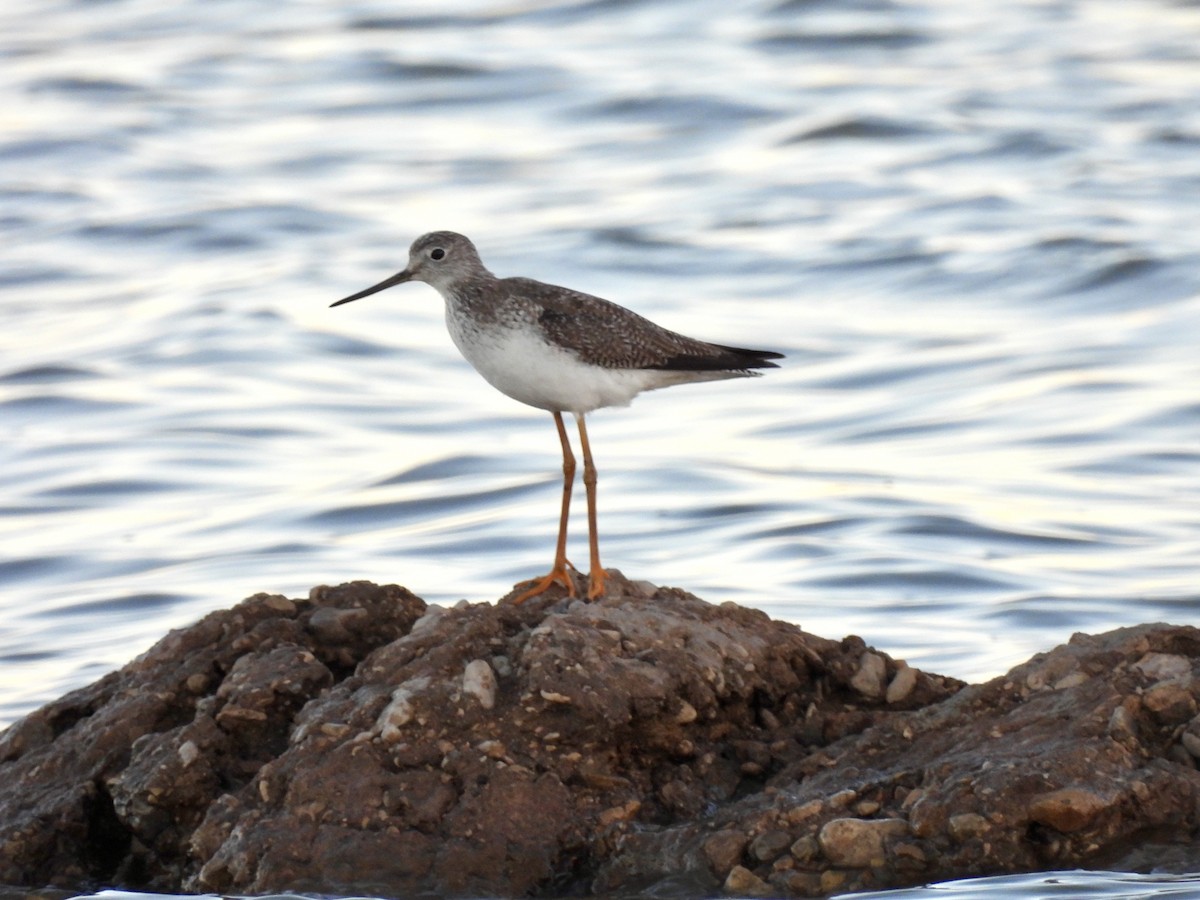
979, 759
804, 811
902, 684
744, 883
841, 799
432, 614
188, 753
868, 680
832, 881
928, 815
358, 743
858, 843
1122, 723
909, 855
401, 711
770, 844
128, 767
1074, 679
626, 812
866, 808
724, 850
1180, 755
965, 826
1068, 809
686, 714
1170, 702
805, 848
1163, 666
332, 625
479, 681
1191, 743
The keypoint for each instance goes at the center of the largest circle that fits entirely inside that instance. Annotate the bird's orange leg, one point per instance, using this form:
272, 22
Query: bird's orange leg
560, 573
596, 575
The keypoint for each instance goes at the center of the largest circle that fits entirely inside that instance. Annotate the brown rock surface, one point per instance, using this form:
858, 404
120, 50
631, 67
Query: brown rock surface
356, 742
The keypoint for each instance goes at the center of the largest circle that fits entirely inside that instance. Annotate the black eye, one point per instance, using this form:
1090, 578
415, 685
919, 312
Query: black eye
437, 253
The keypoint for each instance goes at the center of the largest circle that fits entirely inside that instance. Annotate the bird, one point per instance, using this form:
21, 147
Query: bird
562, 351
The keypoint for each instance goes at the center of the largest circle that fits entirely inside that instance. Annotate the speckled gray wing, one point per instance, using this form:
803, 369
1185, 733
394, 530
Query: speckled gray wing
602, 333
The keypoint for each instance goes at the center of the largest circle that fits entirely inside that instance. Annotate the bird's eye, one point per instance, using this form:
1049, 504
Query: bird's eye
437, 253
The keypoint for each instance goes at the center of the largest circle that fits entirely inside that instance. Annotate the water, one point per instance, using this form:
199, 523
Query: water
971, 228
1051, 886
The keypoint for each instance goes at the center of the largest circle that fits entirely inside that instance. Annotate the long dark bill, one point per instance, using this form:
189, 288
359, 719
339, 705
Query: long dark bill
398, 278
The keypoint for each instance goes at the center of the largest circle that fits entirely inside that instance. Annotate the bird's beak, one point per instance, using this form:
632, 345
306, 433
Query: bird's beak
398, 278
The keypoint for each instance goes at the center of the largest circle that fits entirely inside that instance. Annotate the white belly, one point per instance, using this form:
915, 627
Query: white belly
523, 366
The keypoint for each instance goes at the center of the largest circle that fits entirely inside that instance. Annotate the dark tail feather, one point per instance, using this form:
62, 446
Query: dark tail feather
721, 359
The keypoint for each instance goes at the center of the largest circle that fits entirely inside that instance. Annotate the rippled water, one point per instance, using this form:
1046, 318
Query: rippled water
971, 228
1051, 886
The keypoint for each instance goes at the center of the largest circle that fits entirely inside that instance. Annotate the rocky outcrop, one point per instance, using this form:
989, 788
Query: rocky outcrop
359, 742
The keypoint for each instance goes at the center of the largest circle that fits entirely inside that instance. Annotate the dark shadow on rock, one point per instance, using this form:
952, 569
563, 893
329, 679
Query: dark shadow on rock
358, 742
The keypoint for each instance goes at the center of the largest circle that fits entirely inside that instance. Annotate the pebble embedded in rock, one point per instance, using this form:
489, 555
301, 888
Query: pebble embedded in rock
1191, 743
492, 749
433, 613
334, 625
832, 881
1170, 702
901, 685
1074, 679
910, 852
1122, 725
858, 842
1160, 666
744, 883
869, 678
966, 825
842, 798
234, 718
769, 845
723, 850
1068, 809
686, 715
188, 752
804, 811
400, 711
805, 848
479, 681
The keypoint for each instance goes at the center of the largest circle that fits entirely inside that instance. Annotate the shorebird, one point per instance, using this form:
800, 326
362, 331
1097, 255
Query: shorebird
560, 350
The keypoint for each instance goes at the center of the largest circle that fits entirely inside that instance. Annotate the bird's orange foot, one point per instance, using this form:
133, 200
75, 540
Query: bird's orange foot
597, 583
560, 574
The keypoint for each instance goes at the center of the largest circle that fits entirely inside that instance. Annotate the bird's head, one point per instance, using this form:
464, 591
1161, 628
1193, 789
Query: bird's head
441, 259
